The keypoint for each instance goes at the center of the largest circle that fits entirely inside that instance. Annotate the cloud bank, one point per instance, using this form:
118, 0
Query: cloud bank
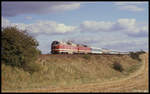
10, 9
41, 27
126, 26
130, 6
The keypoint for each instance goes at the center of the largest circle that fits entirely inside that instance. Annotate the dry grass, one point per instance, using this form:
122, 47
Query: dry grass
68, 70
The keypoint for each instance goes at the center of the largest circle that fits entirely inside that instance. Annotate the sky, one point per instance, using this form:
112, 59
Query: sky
120, 26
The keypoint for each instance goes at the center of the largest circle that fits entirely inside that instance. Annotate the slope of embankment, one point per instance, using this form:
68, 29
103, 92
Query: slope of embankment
67, 71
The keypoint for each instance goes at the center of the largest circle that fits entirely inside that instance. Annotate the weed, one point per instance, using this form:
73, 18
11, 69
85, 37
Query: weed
87, 57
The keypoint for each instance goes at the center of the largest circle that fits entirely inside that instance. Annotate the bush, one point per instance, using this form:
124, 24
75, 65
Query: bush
135, 55
117, 66
18, 48
32, 67
141, 52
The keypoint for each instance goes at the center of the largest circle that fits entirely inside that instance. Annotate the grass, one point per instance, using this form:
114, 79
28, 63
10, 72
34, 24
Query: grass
65, 70
133, 68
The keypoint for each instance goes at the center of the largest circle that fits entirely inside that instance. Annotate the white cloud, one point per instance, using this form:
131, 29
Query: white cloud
124, 25
130, 6
5, 22
41, 27
95, 26
128, 45
127, 26
49, 27
65, 6
131, 27
28, 17
20, 25
125, 3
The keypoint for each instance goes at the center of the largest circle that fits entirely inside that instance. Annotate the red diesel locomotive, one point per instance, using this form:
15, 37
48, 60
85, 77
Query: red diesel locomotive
59, 47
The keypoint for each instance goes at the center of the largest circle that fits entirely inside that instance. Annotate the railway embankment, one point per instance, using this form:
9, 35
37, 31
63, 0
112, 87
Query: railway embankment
64, 71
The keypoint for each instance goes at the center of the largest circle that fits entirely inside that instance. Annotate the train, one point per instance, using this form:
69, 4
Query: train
61, 47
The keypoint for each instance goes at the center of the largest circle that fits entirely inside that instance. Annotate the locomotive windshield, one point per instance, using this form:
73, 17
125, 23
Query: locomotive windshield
55, 42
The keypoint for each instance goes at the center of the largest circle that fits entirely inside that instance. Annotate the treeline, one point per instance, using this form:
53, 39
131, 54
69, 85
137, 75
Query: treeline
19, 49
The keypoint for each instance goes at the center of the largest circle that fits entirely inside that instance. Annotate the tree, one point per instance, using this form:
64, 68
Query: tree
18, 48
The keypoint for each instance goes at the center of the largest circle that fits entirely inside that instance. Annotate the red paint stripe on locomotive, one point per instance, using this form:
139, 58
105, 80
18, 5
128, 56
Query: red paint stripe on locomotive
67, 48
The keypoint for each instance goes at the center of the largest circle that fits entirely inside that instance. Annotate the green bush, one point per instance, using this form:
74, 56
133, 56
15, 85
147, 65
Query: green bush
18, 48
117, 66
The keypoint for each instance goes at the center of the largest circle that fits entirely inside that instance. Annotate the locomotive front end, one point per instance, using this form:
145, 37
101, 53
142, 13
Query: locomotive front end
55, 47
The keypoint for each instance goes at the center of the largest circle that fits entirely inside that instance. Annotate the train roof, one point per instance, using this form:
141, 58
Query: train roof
63, 42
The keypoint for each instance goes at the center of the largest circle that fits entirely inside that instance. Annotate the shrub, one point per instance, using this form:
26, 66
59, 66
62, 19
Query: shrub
141, 52
117, 66
18, 48
32, 67
135, 55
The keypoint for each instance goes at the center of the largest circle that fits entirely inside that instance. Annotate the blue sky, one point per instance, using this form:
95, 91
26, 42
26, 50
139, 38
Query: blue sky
119, 26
